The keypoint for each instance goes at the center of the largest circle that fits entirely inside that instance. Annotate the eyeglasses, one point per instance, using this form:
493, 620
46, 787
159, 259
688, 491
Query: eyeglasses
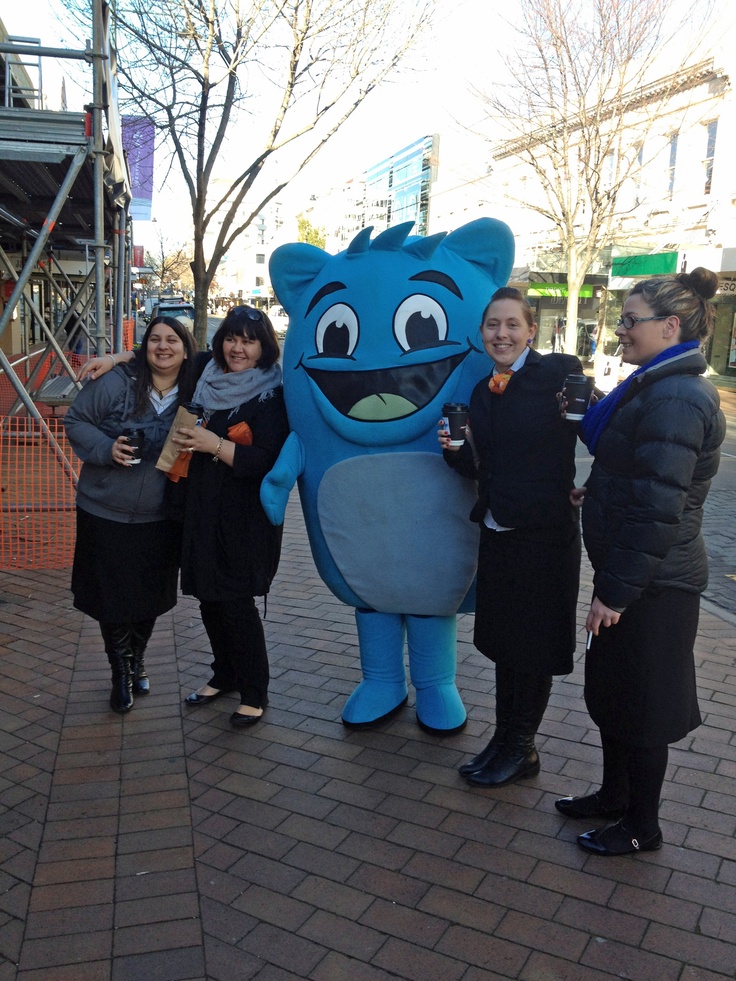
628, 323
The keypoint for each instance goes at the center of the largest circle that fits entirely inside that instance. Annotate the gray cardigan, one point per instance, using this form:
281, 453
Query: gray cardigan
98, 415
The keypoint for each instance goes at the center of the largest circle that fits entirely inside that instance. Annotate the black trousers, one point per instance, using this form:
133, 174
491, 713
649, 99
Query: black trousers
239, 657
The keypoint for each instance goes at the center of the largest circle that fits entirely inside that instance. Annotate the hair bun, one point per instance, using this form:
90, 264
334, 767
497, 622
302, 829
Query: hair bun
701, 281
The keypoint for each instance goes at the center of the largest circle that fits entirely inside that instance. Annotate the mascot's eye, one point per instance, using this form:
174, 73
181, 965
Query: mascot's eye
337, 331
420, 322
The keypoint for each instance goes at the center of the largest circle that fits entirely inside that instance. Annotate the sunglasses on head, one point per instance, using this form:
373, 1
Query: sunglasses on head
250, 313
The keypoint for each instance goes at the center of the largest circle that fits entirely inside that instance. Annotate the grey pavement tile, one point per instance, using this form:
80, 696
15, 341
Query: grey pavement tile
308, 850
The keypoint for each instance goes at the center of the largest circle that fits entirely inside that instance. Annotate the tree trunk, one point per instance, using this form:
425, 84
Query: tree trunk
575, 280
201, 294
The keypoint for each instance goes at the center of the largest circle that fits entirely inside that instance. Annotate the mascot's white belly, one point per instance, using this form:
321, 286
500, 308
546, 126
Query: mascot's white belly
397, 527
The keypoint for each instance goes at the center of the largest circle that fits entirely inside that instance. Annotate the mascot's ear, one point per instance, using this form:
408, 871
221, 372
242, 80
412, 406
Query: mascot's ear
487, 243
292, 268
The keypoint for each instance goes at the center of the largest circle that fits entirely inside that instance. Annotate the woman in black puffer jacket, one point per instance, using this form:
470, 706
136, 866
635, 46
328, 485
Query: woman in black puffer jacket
656, 442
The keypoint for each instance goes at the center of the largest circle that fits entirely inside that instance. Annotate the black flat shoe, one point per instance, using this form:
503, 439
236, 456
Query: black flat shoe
589, 807
616, 840
196, 699
241, 721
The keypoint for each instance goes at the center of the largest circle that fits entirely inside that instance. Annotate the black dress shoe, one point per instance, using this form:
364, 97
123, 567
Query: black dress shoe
241, 721
196, 699
589, 807
617, 840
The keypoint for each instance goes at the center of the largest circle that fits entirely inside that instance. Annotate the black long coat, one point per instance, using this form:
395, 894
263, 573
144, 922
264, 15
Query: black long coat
230, 549
528, 578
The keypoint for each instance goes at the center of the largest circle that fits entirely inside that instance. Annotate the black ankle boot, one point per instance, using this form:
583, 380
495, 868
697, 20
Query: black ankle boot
504, 711
139, 637
518, 757
486, 755
117, 648
121, 694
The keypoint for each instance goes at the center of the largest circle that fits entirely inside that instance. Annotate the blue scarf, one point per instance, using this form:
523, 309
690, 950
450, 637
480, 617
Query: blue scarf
598, 416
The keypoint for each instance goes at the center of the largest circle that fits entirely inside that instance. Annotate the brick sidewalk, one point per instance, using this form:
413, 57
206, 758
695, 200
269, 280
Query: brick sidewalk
166, 845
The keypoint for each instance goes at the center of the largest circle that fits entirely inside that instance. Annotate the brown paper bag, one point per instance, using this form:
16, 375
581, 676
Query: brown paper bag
171, 452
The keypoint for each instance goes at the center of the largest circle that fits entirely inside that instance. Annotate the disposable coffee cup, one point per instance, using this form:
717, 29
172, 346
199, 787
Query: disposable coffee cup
576, 393
196, 410
136, 438
454, 421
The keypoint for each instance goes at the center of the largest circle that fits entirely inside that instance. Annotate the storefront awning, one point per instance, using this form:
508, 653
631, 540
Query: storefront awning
659, 264
556, 289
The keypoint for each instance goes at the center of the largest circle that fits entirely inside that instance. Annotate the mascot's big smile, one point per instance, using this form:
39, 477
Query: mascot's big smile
386, 393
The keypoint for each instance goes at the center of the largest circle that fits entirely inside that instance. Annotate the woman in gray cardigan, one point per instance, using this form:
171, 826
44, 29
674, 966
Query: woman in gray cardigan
126, 557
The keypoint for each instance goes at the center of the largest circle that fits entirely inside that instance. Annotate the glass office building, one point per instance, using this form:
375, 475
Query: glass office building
398, 188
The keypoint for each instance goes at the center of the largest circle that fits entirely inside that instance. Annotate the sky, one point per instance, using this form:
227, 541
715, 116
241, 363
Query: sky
430, 96
433, 94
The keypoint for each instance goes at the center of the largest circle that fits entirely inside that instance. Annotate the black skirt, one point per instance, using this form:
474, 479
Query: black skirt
640, 674
124, 573
526, 598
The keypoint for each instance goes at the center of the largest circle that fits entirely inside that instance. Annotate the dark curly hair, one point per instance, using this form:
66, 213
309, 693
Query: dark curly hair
684, 295
187, 378
247, 322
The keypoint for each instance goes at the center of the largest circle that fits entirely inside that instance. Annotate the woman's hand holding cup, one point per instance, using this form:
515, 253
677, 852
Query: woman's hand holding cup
196, 439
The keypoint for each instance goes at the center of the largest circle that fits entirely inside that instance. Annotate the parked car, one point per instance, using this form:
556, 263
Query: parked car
178, 309
280, 320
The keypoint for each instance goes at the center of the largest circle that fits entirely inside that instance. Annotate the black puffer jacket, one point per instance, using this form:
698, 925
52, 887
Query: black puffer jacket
653, 466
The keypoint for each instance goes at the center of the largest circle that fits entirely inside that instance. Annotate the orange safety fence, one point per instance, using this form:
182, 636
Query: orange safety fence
37, 495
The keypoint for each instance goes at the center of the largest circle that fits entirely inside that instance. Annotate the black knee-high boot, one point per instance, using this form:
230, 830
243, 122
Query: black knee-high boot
504, 712
140, 634
518, 757
117, 647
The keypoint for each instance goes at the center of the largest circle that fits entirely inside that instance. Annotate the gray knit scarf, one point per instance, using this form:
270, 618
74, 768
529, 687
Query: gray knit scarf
218, 389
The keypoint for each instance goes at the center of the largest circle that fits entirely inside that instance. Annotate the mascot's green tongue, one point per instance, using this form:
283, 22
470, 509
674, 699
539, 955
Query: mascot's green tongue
382, 408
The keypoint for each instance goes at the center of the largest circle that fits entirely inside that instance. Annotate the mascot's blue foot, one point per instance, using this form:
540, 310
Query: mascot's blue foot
373, 702
440, 709
432, 658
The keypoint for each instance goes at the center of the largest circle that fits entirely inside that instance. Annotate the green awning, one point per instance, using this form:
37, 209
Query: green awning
556, 289
659, 264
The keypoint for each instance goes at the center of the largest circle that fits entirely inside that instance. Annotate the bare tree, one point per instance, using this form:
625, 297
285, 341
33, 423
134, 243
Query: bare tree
170, 265
244, 94
578, 107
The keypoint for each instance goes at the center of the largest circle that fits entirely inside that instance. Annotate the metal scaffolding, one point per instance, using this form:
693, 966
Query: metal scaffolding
65, 258
65, 238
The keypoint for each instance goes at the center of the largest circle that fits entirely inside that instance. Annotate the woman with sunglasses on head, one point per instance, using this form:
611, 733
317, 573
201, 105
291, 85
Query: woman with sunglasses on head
126, 557
230, 549
655, 441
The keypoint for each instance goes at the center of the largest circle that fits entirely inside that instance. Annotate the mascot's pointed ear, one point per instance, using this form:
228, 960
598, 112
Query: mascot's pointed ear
393, 238
486, 242
292, 268
425, 248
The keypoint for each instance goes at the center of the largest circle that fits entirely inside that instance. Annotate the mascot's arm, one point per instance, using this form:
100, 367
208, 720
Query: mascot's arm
279, 481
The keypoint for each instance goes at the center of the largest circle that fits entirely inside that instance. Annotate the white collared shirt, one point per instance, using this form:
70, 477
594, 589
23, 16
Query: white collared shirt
161, 404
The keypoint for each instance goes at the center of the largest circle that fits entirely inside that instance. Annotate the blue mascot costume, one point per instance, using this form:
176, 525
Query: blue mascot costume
379, 337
